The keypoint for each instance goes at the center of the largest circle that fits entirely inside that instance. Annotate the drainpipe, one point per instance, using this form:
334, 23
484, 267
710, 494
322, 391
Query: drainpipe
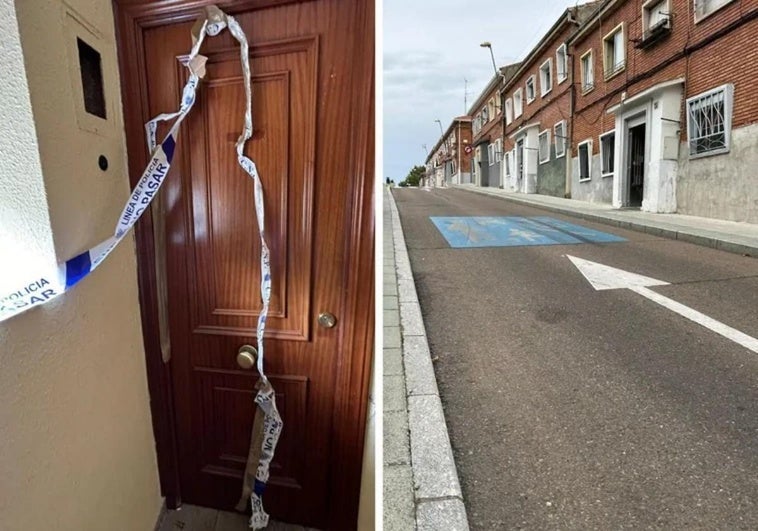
570, 126
459, 143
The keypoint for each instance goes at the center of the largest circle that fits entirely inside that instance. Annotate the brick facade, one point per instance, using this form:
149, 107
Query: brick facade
525, 170
692, 57
487, 128
448, 161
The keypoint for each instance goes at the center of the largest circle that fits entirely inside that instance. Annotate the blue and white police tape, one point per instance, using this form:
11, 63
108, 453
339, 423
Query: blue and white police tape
43, 288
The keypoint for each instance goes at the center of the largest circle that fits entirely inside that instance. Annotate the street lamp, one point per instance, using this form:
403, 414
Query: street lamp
488, 44
440, 124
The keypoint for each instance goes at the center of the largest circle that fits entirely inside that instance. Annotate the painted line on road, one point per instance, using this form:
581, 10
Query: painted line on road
603, 277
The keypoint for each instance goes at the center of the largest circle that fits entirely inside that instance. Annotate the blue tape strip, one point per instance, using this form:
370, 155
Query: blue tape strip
77, 268
259, 487
168, 148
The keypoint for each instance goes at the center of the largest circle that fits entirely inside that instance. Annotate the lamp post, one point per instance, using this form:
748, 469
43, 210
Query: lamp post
488, 44
501, 77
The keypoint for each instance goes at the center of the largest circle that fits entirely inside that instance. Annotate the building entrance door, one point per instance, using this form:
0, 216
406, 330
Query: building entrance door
636, 167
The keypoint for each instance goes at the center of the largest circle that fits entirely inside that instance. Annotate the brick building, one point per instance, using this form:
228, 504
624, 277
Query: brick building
665, 115
487, 131
537, 111
449, 161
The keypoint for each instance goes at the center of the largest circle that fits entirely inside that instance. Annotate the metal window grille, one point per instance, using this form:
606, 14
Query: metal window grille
607, 146
707, 116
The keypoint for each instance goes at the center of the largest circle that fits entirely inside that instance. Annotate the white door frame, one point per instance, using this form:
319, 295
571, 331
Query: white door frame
624, 122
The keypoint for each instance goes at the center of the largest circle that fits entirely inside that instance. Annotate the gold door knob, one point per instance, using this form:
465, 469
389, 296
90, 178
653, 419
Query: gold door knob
247, 356
327, 320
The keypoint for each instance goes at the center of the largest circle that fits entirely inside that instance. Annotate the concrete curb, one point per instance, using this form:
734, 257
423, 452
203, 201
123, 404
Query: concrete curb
705, 238
437, 491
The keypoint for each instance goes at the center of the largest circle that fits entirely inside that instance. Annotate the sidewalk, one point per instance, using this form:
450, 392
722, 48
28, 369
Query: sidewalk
730, 236
421, 489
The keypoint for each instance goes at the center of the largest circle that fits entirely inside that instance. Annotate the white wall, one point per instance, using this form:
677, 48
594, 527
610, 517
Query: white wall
721, 186
25, 235
77, 451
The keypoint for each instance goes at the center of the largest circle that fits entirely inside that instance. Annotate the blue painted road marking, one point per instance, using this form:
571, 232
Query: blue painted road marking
489, 231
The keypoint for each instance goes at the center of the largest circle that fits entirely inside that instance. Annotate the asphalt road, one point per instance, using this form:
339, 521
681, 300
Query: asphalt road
570, 408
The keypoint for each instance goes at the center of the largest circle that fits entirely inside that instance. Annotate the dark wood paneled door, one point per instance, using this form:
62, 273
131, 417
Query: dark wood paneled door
312, 78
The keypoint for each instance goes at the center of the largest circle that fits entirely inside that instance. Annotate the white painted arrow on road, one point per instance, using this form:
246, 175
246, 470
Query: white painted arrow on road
603, 277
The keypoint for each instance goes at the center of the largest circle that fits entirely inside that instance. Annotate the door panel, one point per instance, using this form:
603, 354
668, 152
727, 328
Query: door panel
305, 73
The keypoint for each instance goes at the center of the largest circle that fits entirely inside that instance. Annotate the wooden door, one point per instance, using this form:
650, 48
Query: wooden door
312, 81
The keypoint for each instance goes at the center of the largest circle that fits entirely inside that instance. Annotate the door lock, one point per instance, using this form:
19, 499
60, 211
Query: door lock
247, 356
327, 320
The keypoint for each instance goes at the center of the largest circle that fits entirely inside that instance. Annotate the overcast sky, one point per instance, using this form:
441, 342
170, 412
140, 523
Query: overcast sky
430, 46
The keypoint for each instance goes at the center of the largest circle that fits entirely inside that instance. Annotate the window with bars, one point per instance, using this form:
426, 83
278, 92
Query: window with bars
607, 148
559, 132
544, 146
530, 89
585, 160
561, 63
703, 8
709, 121
498, 150
614, 51
588, 74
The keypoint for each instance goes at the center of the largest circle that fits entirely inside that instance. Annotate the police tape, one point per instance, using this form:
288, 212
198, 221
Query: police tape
39, 290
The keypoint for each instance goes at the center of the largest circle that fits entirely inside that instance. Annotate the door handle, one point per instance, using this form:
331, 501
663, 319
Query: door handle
247, 356
327, 320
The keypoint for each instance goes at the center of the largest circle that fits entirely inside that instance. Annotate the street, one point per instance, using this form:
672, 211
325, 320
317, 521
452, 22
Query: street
571, 407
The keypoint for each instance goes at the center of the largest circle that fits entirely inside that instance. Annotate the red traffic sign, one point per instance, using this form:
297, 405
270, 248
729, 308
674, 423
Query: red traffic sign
468, 149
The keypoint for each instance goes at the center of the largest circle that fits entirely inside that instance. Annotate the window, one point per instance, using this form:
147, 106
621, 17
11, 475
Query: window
655, 16
709, 121
607, 147
498, 150
530, 94
491, 109
559, 132
518, 103
561, 63
491, 154
508, 164
588, 76
508, 111
485, 116
704, 8
546, 77
544, 146
585, 160
614, 52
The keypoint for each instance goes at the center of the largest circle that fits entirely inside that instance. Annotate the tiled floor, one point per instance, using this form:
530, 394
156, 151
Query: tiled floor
194, 518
